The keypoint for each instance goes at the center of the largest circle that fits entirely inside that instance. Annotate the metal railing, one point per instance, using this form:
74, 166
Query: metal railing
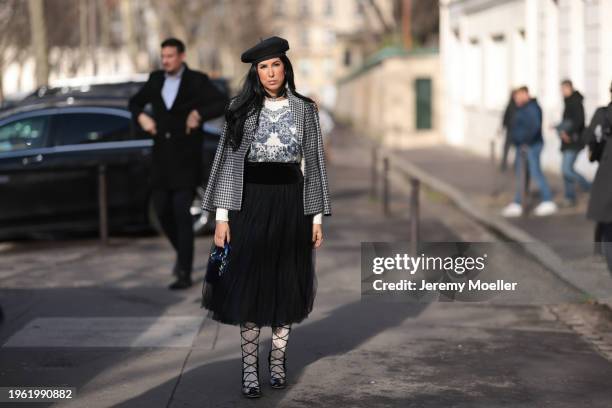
414, 199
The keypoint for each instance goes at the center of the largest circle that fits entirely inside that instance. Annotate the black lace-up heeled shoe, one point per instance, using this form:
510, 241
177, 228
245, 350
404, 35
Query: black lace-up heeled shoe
278, 379
277, 365
250, 381
250, 359
250, 388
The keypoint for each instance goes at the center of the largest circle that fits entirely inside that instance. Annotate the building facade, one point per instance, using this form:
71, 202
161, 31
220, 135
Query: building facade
488, 47
395, 97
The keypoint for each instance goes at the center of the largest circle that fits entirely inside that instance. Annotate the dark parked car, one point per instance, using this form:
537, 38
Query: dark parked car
118, 90
50, 155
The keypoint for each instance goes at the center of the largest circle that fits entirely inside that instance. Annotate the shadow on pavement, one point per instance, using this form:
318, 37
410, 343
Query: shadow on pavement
218, 384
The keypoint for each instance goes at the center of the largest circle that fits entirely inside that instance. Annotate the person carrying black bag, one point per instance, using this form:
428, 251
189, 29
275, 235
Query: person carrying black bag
269, 191
600, 201
181, 99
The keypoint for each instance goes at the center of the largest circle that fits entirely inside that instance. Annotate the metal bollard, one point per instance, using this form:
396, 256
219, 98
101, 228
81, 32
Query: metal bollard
102, 204
374, 171
492, 148
525, 178
415, 185
385, 197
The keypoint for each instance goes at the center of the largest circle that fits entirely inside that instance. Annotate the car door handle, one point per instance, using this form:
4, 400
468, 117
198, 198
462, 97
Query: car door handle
32, 159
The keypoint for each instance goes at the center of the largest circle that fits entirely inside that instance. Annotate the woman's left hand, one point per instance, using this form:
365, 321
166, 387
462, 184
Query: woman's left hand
317, 235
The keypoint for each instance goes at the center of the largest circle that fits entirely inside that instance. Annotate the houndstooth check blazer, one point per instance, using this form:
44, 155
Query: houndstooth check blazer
225, 184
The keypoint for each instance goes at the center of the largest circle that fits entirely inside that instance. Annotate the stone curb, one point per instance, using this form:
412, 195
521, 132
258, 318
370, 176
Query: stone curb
535, 247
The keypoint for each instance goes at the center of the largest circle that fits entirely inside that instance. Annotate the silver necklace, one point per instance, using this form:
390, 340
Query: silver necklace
275, 98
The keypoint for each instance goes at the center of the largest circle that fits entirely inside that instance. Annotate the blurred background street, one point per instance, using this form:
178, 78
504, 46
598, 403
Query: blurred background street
113, 330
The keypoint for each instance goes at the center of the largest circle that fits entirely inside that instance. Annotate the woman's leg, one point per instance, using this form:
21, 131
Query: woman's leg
276, 359
249, 334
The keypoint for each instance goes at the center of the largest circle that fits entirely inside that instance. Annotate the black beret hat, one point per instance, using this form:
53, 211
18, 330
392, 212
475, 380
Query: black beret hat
268, 48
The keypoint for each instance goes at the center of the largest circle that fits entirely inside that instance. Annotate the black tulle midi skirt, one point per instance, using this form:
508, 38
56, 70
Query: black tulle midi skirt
270, 277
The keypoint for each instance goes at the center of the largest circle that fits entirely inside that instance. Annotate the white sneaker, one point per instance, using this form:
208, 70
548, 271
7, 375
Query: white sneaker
512, 210
545, 208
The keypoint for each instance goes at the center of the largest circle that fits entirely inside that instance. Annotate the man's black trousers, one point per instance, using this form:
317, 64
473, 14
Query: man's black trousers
173, 210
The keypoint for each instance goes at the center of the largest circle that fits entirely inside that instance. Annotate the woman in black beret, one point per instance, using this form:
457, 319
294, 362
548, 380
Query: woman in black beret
268, 186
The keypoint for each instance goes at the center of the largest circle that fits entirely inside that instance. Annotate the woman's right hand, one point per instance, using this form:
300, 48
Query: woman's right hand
222, 233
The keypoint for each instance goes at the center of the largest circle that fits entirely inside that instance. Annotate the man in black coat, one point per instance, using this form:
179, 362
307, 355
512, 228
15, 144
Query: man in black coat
181, 100
600, 202
570, 130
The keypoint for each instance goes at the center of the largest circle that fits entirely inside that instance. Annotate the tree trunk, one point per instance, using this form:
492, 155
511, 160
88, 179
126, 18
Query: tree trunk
83, 30
104, 24
407, 24
129, 38
93, 35
39, 41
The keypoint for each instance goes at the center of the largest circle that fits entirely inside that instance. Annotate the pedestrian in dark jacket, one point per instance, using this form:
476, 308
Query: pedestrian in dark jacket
181, 99
600, 201
570, 131
526, 131
506, 125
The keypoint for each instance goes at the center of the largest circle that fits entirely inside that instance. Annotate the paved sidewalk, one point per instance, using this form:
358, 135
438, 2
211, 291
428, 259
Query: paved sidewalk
475, 182
108, 326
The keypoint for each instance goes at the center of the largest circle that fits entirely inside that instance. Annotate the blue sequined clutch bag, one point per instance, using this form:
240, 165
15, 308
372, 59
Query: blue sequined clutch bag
217, 262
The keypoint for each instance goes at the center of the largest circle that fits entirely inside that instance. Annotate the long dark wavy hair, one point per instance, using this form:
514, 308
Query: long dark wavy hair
251, 99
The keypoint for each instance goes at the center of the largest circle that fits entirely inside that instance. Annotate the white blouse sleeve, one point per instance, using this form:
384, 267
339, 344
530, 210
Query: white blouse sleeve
221, 214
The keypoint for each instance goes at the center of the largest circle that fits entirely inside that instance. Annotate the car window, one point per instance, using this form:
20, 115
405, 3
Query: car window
80, 128
24, 133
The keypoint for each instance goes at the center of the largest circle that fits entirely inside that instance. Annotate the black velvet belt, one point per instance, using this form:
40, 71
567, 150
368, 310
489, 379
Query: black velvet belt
272, 172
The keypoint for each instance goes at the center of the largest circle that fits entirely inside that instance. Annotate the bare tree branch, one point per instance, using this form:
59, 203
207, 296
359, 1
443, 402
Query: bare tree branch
386, 28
